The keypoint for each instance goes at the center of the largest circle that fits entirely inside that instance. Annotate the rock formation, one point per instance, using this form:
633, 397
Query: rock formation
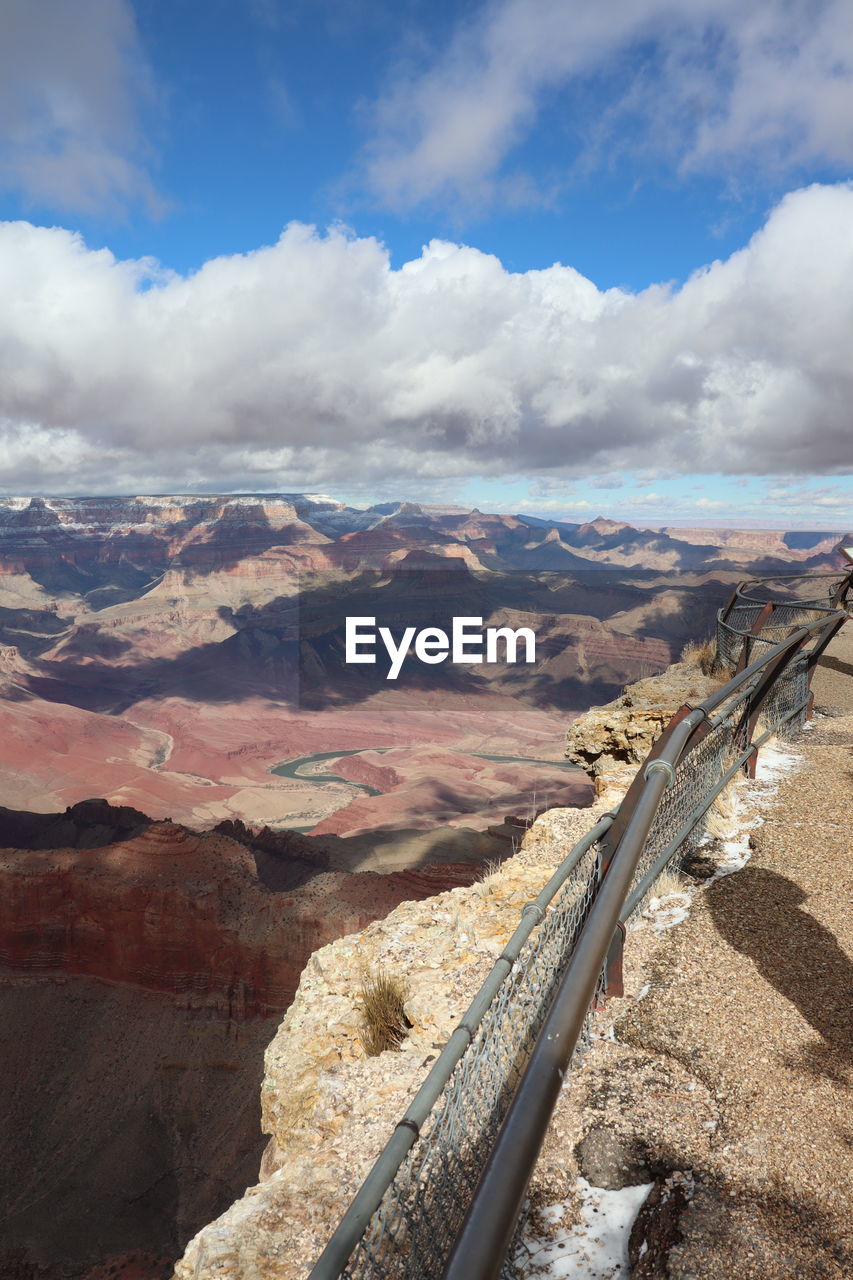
144, 967
327, 1108
622, 731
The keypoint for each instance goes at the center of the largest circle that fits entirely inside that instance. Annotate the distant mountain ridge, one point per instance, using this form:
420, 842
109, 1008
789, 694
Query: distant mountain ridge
155, 640
89, 530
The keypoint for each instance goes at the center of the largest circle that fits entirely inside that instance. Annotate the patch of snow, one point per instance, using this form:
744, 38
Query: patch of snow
775, 760
668, 910
734, 854
596, 1248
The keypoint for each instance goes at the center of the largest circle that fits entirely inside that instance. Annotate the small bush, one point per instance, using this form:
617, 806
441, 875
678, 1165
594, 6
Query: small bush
384, 1024
487, 881
702, 654
668, 882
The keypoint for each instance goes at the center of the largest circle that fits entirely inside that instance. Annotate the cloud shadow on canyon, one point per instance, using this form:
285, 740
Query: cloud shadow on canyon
291, 649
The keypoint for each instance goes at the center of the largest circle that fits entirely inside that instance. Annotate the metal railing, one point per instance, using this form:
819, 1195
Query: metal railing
748, 625
444, 1197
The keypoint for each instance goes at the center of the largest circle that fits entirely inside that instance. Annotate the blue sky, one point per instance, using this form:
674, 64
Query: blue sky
274, 245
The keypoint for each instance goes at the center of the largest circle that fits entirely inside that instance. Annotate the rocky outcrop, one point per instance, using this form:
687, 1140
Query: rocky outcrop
144, 967
87, 825
622, 731
327, 1108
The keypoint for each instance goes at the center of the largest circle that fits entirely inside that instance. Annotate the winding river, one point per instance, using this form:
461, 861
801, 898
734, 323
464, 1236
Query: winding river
293, 768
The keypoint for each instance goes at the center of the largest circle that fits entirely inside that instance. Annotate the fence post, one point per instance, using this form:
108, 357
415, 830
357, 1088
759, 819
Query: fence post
757, 627
817, 651
731, 602
613, 981
749, 719
839, 598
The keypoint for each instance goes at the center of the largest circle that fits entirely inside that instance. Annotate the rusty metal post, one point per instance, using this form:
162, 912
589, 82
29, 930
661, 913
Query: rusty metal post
614, 983
731, 602
831, 632
755, 630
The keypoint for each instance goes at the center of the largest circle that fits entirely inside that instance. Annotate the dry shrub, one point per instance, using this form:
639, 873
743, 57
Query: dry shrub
488, 880
667, 882
384, 1024
703, 654
722, 819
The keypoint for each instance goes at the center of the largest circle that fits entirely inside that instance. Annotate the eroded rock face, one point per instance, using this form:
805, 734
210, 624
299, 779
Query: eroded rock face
144, 968
622, 731
167, 910
327, 1108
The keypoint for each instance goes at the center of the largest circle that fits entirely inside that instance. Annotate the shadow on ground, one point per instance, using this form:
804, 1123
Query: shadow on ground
760, 914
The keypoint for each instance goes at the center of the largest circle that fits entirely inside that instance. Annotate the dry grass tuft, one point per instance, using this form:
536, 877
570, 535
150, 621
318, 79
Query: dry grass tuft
722, 820
384, 1024
488, 880
703, 654
668, 882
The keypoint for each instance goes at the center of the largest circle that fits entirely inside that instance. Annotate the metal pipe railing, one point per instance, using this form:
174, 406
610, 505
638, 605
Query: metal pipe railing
481, 1244
488, 1229
337, 1252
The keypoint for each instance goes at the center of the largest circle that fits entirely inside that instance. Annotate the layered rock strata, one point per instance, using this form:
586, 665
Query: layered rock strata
143, 969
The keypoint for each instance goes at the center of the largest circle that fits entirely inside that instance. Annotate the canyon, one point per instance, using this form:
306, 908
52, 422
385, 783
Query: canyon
184, 647
144, 968
199, 792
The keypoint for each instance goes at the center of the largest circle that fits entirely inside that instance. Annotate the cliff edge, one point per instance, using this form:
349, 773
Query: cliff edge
328, 1109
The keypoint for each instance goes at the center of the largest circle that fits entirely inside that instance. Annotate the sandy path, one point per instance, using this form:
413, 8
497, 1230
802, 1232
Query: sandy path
725, 1070
754, 996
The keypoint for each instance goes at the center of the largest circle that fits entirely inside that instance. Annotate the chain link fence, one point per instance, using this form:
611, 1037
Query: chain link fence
736, 642
422, 1210
419, 1210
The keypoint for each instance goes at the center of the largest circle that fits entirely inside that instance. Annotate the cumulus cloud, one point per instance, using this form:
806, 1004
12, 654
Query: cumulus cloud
702, 80
312, 362
72, 78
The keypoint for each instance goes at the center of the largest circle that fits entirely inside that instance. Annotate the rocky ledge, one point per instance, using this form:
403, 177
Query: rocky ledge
327, 1107
622, 731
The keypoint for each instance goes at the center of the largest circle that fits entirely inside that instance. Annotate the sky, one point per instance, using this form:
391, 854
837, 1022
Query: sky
562, 257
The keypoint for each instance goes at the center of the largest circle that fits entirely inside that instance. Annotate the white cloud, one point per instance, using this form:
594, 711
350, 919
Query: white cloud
799, 498
312, 363
72, 78
705, 81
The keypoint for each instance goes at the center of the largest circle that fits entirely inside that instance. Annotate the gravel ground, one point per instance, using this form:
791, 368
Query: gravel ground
735, 1067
